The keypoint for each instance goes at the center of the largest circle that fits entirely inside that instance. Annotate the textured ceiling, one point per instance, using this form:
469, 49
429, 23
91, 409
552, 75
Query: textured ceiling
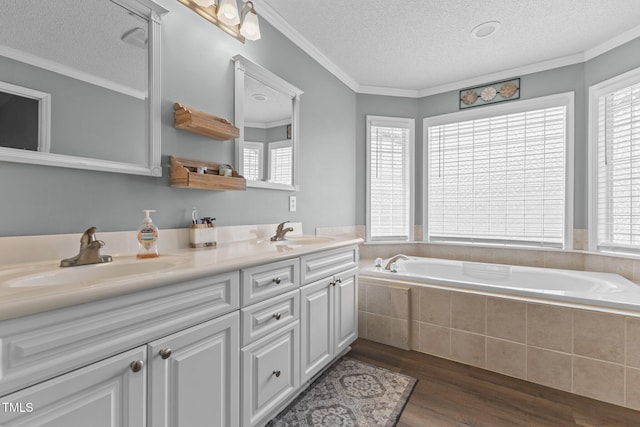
85, 36
422, 44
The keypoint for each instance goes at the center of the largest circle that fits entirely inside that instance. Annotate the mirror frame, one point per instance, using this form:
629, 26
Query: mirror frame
244, 66
152, 12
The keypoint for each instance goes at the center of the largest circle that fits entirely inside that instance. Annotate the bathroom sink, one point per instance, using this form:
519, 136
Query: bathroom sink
53, 275
304, 240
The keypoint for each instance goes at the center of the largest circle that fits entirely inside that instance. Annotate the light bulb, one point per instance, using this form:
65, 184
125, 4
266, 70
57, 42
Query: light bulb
228, 12
250, 27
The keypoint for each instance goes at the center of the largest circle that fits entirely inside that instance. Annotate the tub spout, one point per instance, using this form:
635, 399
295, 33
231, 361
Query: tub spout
393, 259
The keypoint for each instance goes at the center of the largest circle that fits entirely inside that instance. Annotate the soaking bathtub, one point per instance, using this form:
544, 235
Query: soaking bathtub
582, 287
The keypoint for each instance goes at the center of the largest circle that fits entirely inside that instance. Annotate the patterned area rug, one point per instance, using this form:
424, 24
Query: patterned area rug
350, 393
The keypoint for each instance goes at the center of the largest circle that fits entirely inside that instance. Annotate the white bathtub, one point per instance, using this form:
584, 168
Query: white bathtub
583, 287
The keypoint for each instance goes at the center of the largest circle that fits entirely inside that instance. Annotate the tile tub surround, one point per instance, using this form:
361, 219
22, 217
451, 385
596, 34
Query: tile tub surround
568, 347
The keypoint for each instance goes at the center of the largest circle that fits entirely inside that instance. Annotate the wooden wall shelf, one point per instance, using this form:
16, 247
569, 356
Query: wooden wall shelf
184, 175
205, 124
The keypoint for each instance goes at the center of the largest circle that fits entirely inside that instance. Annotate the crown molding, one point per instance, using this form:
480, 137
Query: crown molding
613, 43
388, 91
271, 16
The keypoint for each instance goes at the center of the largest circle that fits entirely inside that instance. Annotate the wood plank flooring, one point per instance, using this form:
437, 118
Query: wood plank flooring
452, 394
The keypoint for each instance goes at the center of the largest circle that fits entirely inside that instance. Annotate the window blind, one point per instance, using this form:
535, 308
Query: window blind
390, 148
499, 179
281, 163
618, 182
252, 161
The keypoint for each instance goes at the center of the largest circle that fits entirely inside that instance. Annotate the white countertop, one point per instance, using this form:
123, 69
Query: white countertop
174, 267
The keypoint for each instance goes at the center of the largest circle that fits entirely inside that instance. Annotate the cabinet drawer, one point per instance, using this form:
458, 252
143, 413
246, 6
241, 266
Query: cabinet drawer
270, 373
265, 317
34, 348
323, 264
266, 281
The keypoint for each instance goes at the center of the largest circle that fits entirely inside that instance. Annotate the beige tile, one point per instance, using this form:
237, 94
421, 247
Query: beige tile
565, 260
482, 254
531, 258
549, 368
505, 256
599, 380
378, 300
549, 327
609, 264
594, 262
399, 299
580, 239
598, 335
506, 319
468, 348
414, 300
507, 357
435, 340
362, 324
414, 335
636, 271
633, 342
468, 312
378, 328
435, 306
632, 379
399, 334
362, 296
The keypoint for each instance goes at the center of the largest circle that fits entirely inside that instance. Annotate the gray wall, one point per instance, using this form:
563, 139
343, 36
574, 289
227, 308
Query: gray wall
576, 78
197, 71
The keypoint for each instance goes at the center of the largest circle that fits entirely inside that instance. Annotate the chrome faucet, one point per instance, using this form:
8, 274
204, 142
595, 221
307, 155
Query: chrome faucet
392, 260
89, 251
281, 232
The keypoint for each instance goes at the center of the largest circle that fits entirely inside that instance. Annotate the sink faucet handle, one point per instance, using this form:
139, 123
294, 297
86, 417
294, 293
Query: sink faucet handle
88, 236
281, 225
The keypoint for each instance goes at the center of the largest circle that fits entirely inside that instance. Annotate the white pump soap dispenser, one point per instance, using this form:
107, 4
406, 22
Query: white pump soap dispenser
148, 238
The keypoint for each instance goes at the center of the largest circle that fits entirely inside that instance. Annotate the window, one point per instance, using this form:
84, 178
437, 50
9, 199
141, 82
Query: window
501, 174
390, 177
253, 160
281, 162
614, 139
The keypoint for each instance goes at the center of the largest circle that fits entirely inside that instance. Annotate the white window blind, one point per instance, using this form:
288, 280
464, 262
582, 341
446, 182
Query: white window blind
281, 162
618, 169
252, 158
499, 179
390, 178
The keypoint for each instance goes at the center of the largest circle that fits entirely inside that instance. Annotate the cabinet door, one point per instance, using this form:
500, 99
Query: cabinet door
317, 317
105, 394
194, 376
346, 310
270, 373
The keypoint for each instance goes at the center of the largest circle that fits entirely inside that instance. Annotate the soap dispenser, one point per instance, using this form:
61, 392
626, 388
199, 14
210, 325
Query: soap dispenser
148, 238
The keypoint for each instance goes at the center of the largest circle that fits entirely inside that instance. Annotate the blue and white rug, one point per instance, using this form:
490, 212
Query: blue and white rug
350, 393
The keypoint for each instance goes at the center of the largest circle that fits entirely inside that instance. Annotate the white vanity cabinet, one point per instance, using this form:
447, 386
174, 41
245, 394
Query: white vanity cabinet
105, 383
329, 316
105, 394
270, 338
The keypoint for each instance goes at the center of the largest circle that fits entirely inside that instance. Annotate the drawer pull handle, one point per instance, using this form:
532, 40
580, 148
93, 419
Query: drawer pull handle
277, 316
338, 280
277, 373
277, 280
137, 365
165, 353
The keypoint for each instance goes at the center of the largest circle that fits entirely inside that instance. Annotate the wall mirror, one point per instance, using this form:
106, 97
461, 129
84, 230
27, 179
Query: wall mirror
267, 114
79, 84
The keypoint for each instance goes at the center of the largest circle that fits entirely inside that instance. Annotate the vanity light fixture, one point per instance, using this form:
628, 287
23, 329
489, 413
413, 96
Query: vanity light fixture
224, 14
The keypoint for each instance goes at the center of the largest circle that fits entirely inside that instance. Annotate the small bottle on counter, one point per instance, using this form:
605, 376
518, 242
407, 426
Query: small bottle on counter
203, 234
148, 238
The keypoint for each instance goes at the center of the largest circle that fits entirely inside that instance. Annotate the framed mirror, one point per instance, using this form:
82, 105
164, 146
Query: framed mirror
80, 86
267, 114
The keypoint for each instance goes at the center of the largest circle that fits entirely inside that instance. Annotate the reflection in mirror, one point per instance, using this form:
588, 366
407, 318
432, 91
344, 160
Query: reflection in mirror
88, 73
266, 113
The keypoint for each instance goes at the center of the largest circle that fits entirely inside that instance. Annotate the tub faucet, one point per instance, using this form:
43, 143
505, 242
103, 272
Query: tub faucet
281, 232
89, 251
392, 260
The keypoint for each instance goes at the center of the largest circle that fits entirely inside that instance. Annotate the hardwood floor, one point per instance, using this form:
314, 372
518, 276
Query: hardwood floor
453, 394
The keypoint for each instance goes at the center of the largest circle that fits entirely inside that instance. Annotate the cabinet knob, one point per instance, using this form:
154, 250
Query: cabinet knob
277, 316
277, 280
277, 373
332, 283
338, 280
165, 353
137, 365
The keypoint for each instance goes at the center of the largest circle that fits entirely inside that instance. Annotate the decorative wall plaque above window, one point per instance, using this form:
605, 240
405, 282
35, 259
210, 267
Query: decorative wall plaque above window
505, 90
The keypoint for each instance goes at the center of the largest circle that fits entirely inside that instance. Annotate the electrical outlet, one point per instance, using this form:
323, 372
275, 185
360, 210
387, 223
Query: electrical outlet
292, 203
